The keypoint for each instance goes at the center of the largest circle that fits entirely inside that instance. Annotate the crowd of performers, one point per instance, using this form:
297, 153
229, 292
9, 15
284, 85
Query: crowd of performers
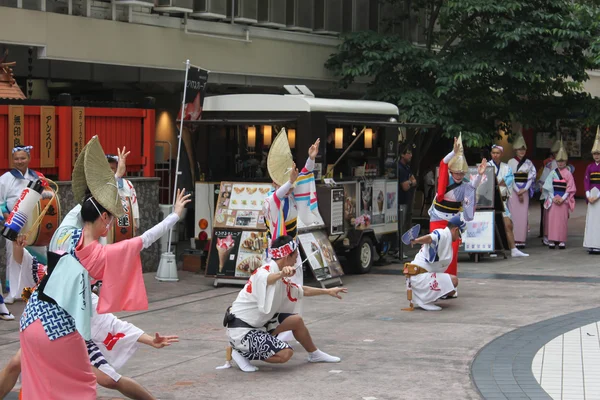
71, 341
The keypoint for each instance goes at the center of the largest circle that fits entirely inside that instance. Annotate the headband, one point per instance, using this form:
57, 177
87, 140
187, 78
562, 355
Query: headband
110, 157
498, 147
283, 251
26, 149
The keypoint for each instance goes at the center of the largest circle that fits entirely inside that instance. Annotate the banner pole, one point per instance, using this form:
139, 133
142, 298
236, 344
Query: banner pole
167, 269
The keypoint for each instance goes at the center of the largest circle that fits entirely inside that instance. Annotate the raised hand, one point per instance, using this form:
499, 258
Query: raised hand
180, 203
456, 146
294, 174
163, 341
122, 165
482, 166
335, 292
314, 150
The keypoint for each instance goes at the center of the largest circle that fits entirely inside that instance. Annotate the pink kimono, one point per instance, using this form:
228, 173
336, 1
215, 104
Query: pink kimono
559, 184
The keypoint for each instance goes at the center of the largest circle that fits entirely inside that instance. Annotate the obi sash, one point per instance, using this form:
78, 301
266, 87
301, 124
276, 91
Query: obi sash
291, 227
559, 185
448, 206
521, 177
595, 178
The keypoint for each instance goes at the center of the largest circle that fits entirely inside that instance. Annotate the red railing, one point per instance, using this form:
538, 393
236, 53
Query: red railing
133, 128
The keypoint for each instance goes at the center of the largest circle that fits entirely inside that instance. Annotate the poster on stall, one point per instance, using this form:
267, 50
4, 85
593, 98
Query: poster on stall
240, 205
321, 257
235, 253
479, 236
391, 200
350, 204
379, 202
366, 206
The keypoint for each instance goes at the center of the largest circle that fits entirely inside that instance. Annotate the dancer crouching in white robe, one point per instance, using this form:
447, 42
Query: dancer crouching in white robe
431, 283
264, 308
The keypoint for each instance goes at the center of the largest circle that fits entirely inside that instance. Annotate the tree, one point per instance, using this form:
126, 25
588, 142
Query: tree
480, 64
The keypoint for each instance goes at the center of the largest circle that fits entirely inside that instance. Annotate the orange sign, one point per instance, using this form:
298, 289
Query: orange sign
47, 137
16, 128
78, 131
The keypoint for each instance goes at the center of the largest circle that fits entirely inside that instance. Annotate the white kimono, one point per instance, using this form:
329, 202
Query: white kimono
435, 258
115, 339
12, 184
259, 305
504, 174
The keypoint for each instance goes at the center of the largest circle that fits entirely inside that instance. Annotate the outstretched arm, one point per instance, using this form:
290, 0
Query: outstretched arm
333, 292
158, 341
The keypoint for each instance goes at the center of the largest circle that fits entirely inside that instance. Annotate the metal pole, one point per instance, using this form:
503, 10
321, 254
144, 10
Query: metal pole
187, 68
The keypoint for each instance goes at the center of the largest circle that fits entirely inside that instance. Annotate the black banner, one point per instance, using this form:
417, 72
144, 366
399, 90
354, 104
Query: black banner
194, 93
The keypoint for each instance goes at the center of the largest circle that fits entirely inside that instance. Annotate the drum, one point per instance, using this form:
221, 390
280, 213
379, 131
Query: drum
123, 228
42, 235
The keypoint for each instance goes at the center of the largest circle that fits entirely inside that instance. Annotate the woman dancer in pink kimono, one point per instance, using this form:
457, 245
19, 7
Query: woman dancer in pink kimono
559, 190
56, 320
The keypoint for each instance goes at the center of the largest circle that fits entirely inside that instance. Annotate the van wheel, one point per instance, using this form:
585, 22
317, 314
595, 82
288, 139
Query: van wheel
361, 257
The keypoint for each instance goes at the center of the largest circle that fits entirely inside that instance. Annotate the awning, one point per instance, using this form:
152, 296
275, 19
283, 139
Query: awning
345, 121
239, 121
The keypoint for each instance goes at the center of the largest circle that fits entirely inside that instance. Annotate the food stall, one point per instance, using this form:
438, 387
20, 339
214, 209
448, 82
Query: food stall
358, 153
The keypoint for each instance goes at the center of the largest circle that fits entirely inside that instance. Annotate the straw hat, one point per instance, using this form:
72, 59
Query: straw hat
459, 161
555, 146
596, 147
93, 172
279, 160
561, 154
519, 143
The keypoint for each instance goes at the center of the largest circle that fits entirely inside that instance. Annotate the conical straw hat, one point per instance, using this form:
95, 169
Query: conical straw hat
279, 160
519, 143
459, 161
596, 147
93, 172
555, 146
561, 155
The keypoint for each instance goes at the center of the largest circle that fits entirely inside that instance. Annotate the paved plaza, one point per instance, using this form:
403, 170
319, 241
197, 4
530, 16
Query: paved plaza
475, 348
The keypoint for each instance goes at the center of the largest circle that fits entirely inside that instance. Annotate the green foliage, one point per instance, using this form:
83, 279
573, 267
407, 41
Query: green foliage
481, 62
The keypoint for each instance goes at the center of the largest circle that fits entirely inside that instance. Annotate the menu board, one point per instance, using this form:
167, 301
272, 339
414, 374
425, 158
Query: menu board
321, 257
236, 253
240, 205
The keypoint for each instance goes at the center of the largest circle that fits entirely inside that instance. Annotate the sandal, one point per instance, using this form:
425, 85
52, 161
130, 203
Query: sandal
6, 316
551, 246
562, 246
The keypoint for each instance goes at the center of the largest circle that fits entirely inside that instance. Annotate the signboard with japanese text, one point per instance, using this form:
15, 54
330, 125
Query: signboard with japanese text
78, 131
47, 137
16, 128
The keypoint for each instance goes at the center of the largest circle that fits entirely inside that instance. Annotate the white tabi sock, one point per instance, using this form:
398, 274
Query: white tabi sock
430, 307
518, 253
321, 356
242, 362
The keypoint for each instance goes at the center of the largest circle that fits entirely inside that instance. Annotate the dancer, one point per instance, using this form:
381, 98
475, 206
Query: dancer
425, 275
548, 166
12, 184
505, 181
294, 197
113, 341
264, 308
518, 201
591, 239
559, 192
454, 193
57, 319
